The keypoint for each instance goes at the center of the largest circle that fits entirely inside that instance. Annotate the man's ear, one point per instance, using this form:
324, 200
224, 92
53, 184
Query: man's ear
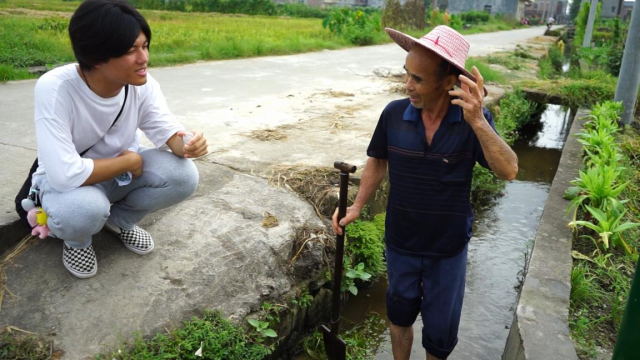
450, 81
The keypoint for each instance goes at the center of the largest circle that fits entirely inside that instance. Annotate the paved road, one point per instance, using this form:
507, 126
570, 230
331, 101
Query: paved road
229, 99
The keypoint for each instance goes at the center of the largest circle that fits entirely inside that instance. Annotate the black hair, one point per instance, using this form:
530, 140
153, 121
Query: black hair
445, 69
104, 29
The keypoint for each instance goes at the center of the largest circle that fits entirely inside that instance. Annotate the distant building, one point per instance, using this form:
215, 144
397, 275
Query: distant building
543, 9
335, 3
510, 8
610, 9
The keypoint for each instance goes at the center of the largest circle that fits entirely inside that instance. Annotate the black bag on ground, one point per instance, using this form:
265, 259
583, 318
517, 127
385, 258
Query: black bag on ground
24, 192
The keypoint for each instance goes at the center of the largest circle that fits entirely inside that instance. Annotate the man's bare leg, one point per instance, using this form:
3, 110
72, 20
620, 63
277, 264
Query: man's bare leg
401, 341
431, 357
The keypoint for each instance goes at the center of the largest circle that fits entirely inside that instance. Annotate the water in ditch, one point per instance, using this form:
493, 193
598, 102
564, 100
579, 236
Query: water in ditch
503, 237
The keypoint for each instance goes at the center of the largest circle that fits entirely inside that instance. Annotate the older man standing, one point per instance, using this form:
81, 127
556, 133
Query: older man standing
430, 141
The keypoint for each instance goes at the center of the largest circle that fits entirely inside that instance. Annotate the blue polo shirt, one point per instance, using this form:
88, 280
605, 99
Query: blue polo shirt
429, 211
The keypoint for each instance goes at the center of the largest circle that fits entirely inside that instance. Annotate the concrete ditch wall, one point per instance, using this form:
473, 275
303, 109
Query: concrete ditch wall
540, 326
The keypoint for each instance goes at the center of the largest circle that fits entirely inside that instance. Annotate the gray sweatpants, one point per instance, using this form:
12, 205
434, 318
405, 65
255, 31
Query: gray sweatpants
76, 215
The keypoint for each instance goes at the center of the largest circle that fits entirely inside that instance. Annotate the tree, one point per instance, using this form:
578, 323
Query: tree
574, 9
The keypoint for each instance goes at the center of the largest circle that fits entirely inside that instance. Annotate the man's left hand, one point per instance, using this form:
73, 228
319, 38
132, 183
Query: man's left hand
196, 147
470, 97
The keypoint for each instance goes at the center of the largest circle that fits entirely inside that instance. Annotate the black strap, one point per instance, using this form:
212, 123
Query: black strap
126, 92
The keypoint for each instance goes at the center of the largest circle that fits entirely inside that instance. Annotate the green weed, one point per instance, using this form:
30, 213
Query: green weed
262, 328
488, 74
362, 341
365, 244
303, 299
513, 113
217, 337
510, 62
356, 26
351, 274
602, 280
13, 346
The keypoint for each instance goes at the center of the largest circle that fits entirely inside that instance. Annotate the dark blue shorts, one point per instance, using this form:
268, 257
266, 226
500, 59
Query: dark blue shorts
433, 287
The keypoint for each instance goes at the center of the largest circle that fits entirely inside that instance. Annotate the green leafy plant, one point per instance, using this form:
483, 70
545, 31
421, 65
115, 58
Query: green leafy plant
598, 187
608, 228
262, 328
304, 299
351, 274
583, 289
514, 111
272, 311
356, 26
365, 244
217, 337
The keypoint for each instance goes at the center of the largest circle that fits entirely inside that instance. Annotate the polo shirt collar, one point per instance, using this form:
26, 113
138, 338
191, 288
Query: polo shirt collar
454, 114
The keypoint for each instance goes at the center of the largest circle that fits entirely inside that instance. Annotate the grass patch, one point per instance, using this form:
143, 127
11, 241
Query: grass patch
177, 38
34, 34
362, 341
8, 72
42, 5
488, 74
594, 87
365, 244
19, 344
601, 276
218, 338
511, 62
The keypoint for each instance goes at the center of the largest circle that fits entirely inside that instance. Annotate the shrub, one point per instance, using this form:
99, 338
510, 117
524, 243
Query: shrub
410, 16
514, 112
550, 66
356, 26
456, 22
365, 244
475, 17
614, 59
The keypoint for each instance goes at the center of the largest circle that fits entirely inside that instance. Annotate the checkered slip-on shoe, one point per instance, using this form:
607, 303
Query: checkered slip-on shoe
137, 240
80, 262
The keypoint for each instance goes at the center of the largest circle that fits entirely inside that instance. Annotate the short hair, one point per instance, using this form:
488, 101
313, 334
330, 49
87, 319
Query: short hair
445, 69
104, 29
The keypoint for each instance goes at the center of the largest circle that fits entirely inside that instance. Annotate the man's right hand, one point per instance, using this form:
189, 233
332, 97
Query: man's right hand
353, 212
134, 162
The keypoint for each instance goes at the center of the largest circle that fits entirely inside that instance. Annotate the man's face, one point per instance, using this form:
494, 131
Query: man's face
130, 68
422, 83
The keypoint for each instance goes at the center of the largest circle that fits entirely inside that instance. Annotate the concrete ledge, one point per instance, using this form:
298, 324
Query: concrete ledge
540, 327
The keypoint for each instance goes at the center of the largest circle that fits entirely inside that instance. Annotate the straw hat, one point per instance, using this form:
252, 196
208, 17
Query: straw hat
444, 42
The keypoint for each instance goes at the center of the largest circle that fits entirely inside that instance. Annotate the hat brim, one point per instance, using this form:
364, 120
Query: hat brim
407, 42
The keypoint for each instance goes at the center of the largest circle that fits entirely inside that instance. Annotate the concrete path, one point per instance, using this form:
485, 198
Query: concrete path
212, 251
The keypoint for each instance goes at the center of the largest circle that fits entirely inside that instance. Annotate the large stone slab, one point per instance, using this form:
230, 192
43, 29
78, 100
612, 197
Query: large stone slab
212, 252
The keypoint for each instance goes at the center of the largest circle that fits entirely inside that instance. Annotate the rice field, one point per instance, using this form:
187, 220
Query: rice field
34, 33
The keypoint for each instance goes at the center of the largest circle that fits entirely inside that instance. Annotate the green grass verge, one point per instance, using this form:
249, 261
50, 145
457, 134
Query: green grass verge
362, 340
488, 74
37, 38
600, 283
15, 346
575, 93
217, 336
